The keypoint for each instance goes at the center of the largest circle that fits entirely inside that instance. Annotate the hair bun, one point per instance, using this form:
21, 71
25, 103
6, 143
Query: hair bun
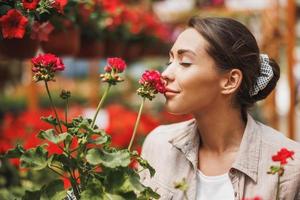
272, 84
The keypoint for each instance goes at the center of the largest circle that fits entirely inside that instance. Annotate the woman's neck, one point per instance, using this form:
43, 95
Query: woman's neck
221, 130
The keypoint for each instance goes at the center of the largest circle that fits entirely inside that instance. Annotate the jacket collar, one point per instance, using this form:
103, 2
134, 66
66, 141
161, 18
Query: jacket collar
187, 140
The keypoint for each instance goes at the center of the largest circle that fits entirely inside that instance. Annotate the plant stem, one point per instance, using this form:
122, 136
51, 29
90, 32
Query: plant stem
74, 185
66, 112
278, 184
100, 104
66, 119
53, 107
185, 195
136, 124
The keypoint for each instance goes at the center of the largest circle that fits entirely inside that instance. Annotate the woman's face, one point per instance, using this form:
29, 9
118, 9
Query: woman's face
192, 80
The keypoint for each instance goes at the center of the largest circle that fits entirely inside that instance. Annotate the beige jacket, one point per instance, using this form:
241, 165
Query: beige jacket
173, 152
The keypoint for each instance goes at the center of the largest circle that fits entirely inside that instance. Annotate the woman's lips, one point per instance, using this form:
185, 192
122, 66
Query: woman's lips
170, 92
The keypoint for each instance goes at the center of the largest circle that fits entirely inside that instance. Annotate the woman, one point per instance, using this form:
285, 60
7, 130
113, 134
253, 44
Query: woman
216, 73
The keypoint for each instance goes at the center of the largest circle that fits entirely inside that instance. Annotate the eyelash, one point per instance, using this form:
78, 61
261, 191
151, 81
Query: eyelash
183, 64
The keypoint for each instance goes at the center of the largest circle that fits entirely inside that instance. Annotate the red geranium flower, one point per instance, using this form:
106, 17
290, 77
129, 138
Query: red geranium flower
153, 79
47, 61
13, 24
30, 4
116, 64
283, 155
45, 66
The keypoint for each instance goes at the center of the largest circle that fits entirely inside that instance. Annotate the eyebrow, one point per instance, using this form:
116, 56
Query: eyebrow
182, 51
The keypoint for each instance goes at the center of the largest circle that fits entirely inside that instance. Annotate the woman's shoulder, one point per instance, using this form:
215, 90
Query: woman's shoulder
275, 139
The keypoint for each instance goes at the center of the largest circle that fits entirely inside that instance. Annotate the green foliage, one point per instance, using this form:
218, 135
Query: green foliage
35, 158
95, 169
116, 158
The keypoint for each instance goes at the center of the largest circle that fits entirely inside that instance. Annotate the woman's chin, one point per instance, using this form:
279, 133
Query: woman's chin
174, 109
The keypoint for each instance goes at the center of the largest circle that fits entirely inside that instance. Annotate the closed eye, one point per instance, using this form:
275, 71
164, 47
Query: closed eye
186, 64
168, 63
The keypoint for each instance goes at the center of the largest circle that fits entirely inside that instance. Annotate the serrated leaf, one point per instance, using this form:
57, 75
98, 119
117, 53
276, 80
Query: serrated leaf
119, 158
15, 153
52, 137
35, 158
54, 191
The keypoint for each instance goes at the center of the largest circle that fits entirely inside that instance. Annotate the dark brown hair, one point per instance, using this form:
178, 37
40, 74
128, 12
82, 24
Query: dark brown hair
232, 46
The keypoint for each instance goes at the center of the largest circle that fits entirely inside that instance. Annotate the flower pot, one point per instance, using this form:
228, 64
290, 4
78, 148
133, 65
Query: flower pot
91, 48
19, 48
63, 42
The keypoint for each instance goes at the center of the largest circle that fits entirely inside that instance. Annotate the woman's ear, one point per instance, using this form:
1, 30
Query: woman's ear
231, 81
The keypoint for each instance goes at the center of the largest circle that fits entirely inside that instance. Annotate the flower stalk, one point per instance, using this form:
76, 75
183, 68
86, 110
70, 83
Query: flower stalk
53, 107
100, 104
136, 124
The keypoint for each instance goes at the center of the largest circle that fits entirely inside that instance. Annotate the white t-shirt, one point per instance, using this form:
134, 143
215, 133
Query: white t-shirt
214, 187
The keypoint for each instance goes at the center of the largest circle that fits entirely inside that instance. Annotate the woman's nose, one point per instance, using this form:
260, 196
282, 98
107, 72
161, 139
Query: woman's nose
168, 74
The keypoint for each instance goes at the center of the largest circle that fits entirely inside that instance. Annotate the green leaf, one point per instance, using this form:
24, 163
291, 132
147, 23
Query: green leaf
50, 120
15, 153
131, 184
108, 196
100, 140
54, 191
32, 195
65, 161
52, 137
147, 194
144, 163
35, 158
118, 158
94, 190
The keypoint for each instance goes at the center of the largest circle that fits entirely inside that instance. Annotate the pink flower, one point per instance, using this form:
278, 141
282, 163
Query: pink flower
116, 64
283, 155
154, 80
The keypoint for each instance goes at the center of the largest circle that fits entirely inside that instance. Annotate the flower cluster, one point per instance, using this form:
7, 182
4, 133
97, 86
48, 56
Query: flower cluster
133, 20
151, 84
112, 70
26, 16
45, 66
